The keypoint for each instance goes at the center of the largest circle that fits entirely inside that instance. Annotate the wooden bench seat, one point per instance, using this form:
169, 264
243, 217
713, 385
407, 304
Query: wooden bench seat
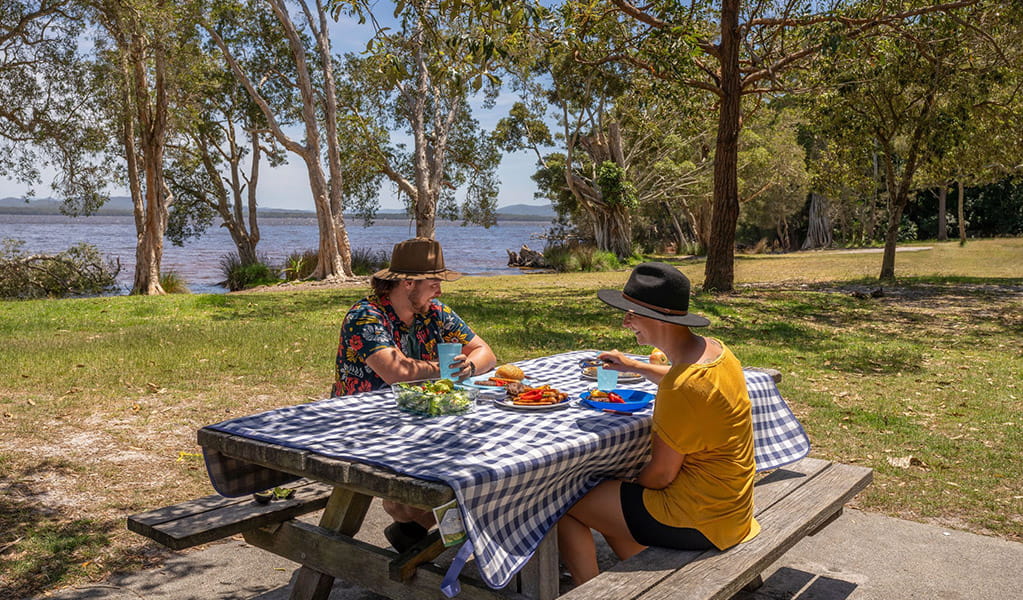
790, 503
214, 517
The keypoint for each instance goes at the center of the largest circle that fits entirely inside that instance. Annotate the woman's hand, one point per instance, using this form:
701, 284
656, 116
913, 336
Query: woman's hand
616, 361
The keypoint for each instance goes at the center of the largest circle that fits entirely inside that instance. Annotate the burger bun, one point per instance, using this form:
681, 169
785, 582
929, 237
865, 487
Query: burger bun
510, 372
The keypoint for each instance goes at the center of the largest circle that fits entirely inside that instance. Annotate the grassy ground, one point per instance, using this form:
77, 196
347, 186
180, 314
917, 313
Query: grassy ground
100, 398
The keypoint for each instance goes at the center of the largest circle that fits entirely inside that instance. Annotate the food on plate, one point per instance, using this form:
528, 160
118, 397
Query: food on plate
515, 388
495, 381
537, 396
591, 372
658, 358
602, 396
433, 397
510, 372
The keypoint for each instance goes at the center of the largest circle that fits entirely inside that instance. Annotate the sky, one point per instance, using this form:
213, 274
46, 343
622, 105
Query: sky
287, 186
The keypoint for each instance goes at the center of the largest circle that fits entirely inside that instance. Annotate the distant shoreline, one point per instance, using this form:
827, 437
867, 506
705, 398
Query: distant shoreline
272, 213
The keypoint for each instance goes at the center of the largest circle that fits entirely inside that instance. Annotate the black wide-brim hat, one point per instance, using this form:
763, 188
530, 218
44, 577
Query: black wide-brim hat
418, 258
658, 291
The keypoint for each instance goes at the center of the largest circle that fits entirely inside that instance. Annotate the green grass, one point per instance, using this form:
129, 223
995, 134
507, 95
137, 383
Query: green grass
100, 398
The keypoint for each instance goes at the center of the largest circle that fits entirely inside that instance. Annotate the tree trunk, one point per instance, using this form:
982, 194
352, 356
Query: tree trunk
719, 274
334, 249
891, 239
942, 222
681, 239
151, 108
818, 231
961, 214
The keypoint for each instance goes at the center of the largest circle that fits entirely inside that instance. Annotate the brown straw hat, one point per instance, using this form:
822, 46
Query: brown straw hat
418, 258
658, 291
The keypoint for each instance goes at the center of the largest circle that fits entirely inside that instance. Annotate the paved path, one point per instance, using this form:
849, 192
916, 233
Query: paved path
861, 556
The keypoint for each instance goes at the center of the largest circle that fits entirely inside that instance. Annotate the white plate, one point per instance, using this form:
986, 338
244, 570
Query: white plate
507, 403
591, 373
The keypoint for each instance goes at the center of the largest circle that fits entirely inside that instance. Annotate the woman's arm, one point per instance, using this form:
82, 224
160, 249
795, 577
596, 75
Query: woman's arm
663, 467
616, 361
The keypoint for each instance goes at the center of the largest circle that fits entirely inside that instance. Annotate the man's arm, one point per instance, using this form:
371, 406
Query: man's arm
391, 365
479, 353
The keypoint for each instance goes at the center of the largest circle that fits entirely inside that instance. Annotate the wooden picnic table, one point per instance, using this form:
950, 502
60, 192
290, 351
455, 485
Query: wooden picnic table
525, 464
329, 550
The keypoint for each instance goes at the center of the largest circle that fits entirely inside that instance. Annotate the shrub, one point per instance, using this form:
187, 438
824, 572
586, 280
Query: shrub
80, 270
367, 262
300, 265
172, 283
238, 276
578, 257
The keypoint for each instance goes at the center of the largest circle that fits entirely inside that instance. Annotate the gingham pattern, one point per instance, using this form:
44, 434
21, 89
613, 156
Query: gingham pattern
514, 473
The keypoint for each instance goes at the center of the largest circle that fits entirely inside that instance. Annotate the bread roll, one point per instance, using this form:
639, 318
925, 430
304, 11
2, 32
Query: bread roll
658, 358
510, 372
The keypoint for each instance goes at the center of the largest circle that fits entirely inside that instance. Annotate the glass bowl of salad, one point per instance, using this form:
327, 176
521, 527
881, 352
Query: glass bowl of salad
434, 397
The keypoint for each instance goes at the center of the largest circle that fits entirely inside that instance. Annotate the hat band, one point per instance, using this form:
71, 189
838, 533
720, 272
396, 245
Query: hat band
417, 271
660, 309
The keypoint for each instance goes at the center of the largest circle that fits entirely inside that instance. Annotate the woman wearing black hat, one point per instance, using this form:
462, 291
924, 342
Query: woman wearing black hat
696, 492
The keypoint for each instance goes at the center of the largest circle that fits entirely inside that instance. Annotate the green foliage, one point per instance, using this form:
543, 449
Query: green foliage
238, 276
78, 271
300, 264
614, 185
173, 283
367, 262
456, 53
568, 257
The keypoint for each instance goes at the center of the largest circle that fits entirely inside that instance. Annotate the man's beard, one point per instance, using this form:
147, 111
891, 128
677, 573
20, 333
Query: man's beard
420, 302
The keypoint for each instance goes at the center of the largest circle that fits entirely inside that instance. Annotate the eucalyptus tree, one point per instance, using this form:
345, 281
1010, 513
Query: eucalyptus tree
216, 162
417, 78
731, 49
983, 144
909, 94
146, 50
47, 115
308, 71
773, 176
215, 169
633, 152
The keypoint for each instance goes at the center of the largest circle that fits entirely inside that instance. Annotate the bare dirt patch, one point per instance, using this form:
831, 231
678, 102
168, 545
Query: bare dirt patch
332, 283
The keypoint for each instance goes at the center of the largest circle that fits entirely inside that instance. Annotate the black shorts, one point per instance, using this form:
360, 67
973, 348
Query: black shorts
649, 531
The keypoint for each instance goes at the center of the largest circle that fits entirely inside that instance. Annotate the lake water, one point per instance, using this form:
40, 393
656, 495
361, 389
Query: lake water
470, 250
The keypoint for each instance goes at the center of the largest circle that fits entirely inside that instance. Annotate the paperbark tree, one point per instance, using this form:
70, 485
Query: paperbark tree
46, 108
215, 167
742, 49
630, 147
146, 48
419, 76
313, 71
908, 94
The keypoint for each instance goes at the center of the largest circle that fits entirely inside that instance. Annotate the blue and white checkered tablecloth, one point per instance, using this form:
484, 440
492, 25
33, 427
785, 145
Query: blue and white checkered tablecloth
514, 473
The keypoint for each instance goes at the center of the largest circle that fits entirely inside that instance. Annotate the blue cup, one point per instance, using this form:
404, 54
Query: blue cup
607, 379
446, 353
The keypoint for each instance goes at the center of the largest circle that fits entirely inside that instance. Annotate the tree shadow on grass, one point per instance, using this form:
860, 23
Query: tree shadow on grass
43, 545
42, 542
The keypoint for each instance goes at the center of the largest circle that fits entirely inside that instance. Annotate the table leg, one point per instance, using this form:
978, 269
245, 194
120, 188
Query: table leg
344, 514
540, 577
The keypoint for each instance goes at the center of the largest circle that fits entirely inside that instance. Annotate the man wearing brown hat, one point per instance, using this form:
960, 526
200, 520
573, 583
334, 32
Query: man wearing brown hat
392, 335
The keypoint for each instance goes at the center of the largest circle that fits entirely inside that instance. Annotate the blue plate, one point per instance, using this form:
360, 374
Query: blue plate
634, 400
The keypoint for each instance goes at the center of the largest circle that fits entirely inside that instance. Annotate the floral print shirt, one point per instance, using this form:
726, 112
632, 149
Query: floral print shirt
372, 325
